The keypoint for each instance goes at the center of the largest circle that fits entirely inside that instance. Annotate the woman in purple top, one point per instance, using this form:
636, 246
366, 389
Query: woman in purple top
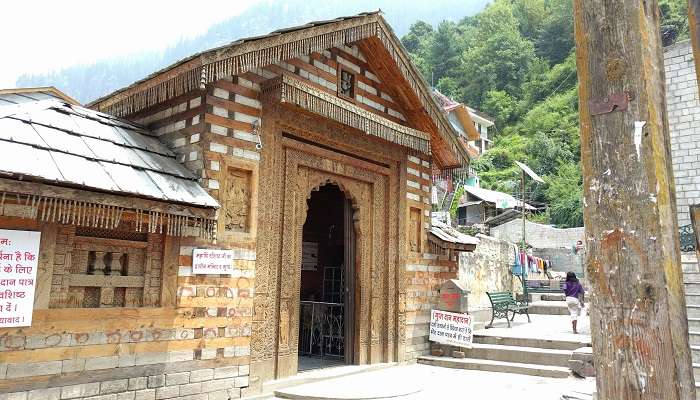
574, 298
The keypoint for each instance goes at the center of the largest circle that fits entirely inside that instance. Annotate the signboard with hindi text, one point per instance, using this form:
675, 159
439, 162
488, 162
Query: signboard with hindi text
212, 261
19, 258
451, 328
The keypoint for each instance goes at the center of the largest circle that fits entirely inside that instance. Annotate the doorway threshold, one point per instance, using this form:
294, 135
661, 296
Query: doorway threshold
315, 375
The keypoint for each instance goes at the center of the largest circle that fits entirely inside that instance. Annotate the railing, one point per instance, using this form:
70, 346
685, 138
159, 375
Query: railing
687, 236
322, 329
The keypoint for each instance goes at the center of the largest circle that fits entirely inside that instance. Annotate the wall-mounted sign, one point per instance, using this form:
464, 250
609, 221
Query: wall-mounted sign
212, 261
19, 258
451, 328
309, 256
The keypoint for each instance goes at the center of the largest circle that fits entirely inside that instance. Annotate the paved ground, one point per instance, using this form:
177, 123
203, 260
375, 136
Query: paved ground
418, 382
548, 327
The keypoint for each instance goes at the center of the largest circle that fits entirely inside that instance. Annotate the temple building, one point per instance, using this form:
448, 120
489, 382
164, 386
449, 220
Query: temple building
302, 159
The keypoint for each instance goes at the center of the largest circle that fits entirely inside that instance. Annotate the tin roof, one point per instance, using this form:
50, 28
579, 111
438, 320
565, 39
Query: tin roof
47, 138
492, 196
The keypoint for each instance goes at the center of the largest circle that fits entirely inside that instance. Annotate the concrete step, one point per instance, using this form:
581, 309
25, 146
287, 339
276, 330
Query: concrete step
691, 287
519, 354
531, 342
694, 324
547, 371
696, 371
548, 308
695, 353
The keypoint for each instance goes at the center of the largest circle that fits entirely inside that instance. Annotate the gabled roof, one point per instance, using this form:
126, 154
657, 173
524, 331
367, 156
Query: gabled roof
458, 115
48, 139
369, 30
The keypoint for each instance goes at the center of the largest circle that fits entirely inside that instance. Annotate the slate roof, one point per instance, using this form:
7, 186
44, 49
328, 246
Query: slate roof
44, 137
448, 234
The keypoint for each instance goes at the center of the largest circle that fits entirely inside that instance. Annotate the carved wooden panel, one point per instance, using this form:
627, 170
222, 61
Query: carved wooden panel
237, 198
105, 272
414, 229
290, 170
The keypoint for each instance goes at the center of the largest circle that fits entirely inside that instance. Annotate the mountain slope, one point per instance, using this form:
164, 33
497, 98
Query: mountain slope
88, 82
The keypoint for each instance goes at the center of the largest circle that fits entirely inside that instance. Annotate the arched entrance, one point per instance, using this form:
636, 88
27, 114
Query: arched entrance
327, 280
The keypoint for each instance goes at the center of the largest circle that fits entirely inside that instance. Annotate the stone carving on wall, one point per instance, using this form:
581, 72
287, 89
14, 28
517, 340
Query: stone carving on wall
414, 230
237, 201
347, 84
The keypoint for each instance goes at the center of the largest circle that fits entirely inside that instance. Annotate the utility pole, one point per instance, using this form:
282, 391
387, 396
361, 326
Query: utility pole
638, 324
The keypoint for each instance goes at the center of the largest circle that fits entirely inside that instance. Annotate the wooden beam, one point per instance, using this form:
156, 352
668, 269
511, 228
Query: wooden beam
134, 203
639, 325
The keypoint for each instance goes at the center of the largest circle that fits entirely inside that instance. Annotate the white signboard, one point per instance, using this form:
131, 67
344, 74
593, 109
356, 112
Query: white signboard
451, 328
19, 257
212, 261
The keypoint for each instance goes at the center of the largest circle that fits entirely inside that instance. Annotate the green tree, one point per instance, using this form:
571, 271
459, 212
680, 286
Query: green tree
500, 105
565, 195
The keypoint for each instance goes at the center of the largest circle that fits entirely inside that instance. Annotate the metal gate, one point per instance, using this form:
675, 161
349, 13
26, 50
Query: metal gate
322, 331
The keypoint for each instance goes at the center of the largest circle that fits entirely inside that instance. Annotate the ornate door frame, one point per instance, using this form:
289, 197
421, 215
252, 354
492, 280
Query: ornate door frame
296, 168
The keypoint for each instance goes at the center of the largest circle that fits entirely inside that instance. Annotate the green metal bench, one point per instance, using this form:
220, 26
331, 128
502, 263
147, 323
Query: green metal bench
502, 303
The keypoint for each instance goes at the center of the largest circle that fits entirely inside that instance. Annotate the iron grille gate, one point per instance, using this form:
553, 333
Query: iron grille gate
322, 332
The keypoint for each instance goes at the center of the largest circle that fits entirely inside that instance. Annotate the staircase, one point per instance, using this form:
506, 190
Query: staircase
691, 279
525, 356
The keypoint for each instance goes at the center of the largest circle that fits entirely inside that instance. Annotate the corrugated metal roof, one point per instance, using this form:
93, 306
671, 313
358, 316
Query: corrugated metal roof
493, 196
47, 138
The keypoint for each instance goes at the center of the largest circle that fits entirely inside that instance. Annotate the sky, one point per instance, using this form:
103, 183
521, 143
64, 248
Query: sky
41, 35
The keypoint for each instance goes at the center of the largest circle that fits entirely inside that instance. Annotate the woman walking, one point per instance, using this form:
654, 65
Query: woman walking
574, 298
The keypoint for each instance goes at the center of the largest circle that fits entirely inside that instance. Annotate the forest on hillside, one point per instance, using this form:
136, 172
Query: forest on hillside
515, 61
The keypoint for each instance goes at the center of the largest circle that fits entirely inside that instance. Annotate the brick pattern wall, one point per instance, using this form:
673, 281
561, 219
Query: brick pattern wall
424, 275
684, 125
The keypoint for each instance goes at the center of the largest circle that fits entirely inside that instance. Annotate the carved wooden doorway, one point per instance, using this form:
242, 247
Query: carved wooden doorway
326, 311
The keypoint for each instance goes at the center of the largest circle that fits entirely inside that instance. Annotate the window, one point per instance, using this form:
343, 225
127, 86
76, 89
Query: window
346, 86
106, 268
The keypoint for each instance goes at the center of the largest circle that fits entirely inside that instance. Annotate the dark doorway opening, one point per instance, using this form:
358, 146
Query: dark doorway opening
327, 281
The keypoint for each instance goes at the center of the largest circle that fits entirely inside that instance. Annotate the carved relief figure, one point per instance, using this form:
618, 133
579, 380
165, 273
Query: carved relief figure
347, 83
414, 230
237, 201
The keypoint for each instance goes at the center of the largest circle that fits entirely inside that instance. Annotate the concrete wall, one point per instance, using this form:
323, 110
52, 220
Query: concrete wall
537, 235
487, 269
684, 125
563, 259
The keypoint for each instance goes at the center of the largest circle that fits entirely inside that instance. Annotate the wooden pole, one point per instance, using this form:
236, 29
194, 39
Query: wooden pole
638, 324
693, 20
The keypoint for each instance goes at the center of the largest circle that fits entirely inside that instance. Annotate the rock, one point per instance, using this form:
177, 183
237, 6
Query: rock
581, 362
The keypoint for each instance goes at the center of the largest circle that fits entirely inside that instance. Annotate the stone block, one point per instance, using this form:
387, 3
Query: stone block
226, 372
126, 396
45, 394
241, 381
101, 363
219, 384
191, 388
581, 362
218, 395
167, 392
155, 381
127, 360
73, 365
14, 396
201, 375
177, 378
116, 386
84, 390
138, 383
102, 397
243, 370
458, 354
33, 369
145, 394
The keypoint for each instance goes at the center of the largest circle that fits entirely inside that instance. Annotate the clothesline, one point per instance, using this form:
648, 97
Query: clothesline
527, 263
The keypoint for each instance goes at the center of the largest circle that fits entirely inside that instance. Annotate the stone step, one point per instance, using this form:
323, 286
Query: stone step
694, 324
546, 371
696, 371
691, 277
530, 342
519, 354
691, 287
692, 298
693, 311
694, 338
549, 308
695, 353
